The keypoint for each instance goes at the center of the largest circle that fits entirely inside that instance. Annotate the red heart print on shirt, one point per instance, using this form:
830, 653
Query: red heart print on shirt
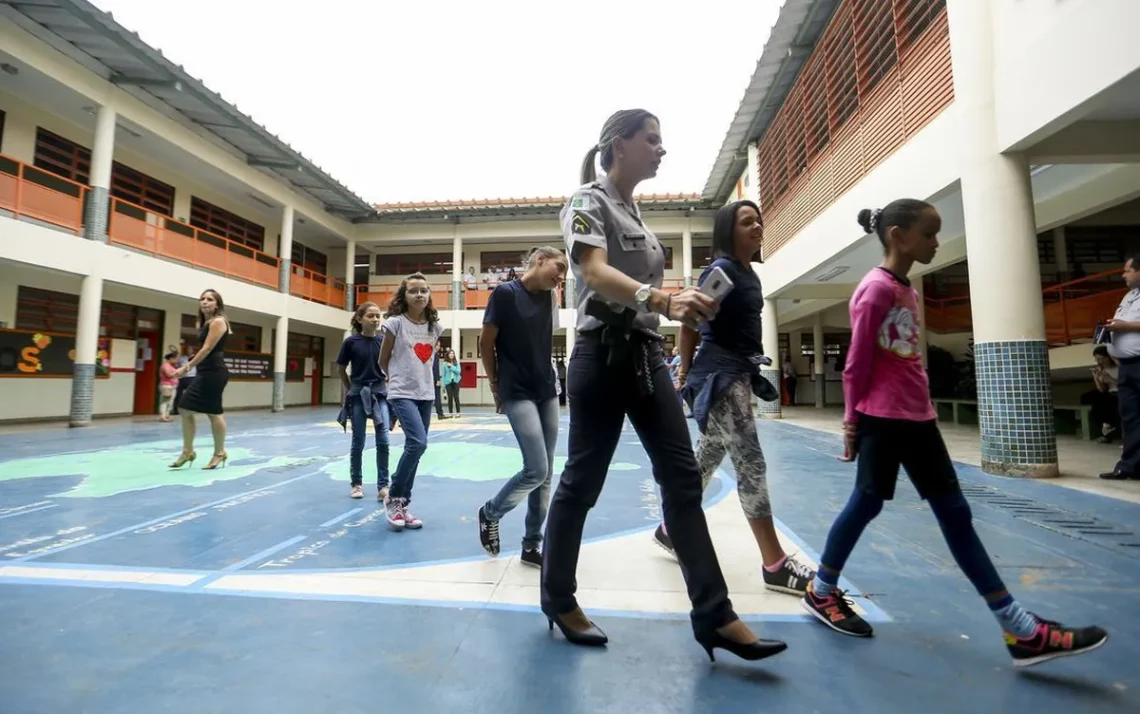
423, 351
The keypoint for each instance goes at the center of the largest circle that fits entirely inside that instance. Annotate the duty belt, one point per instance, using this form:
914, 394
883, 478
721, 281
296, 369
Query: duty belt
627, 344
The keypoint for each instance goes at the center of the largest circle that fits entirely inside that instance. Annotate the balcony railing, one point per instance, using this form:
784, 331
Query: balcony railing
1072, 309
29, 192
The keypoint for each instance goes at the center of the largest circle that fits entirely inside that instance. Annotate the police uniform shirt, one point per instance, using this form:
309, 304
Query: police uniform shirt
597, 217
1127, 344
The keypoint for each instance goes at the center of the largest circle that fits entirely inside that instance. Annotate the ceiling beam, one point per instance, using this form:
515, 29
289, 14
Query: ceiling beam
146, 82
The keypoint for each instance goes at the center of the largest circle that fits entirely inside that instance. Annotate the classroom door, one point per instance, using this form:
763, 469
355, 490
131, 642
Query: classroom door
147, 360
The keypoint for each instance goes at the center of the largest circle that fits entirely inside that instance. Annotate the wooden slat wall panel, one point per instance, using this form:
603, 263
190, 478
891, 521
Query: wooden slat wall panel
880, 72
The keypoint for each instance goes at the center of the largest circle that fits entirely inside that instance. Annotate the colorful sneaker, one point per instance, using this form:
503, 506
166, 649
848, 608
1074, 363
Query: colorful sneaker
531, 557
488, 533
792, 578
357, 492
1053, 640
394, 512
662, 539
835, 611
410, 521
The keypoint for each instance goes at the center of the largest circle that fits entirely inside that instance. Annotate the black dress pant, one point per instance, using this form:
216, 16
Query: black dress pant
601, 399
1128, 392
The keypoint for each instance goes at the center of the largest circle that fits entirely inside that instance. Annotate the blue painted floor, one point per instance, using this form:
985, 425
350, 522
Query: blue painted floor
281, 506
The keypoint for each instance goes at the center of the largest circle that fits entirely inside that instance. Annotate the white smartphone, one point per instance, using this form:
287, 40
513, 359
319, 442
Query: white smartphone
717, 284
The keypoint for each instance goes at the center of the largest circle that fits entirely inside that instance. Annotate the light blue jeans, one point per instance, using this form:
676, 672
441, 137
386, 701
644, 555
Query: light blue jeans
536, 428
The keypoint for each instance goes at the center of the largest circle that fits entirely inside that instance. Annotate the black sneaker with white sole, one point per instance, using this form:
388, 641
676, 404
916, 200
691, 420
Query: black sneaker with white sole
1052, 640
792, 577
488, 533
663, 541
531, 557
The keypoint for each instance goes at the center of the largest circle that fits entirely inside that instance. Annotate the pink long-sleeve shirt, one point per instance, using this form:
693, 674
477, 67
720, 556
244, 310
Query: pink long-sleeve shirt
884, 376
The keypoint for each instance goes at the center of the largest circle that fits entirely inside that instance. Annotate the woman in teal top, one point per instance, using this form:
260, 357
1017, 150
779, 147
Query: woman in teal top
449, 377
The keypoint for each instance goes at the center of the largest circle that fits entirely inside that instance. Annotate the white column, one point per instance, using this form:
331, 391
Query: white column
457, 341
86, 345
1011, 357
350, 275
285, 249
687, 255
817, 366
96, 212
456, 272
1061, 253
770, 340
280, 346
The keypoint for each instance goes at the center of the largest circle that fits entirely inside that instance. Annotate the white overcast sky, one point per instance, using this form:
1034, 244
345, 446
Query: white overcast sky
411, 101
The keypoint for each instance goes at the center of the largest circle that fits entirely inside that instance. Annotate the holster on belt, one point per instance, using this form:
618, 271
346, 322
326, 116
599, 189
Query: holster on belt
627, 345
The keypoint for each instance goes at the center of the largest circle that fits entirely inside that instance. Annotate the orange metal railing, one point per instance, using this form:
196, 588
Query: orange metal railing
135, 227
316, 287
1072, 309
26, 191
382, 294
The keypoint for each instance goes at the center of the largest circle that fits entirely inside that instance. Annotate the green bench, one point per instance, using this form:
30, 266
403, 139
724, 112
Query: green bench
1074, 418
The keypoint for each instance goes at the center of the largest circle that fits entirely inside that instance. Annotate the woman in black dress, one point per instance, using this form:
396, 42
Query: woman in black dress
205, 393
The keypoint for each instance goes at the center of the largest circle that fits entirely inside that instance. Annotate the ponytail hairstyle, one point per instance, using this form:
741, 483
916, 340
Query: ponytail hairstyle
903, 213
621, 125
356, 321
532, 257
399, 304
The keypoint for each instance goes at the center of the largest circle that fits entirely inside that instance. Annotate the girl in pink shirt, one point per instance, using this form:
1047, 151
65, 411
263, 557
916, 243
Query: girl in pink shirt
890, 422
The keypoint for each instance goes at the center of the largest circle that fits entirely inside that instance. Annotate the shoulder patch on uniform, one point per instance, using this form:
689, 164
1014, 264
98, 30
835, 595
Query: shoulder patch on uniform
580, 203
580, 225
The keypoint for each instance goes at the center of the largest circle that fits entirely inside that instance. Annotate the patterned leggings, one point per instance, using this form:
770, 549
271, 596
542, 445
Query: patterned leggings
732, 429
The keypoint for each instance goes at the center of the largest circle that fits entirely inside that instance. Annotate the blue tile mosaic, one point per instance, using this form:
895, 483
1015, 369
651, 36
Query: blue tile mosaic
1015, 408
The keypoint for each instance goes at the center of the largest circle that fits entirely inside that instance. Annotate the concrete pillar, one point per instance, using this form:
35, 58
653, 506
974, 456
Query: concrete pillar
457, 340
285, 250
96, 212
817, 367
86, 345
456, 273
570, 290
350, 275
770, 339
1061, 253
1011, 356
687, 256
280, 347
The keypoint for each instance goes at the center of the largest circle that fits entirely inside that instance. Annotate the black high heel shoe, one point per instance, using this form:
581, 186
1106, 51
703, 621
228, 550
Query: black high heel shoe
752, 651
593, 637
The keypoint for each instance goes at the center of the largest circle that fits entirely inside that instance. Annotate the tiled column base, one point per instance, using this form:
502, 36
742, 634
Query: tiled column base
771, 410
82, 395
820, 391
95, 214
456, 297
278, 391
286, 271
1015, 408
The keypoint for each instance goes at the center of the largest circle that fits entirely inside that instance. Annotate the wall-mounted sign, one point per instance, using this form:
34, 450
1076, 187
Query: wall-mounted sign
28, 353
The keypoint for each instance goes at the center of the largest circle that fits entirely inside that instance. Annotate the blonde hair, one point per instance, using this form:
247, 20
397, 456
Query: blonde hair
547, 252
621, 125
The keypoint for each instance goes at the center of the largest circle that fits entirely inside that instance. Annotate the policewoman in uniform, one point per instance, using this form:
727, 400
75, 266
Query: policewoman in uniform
617, 369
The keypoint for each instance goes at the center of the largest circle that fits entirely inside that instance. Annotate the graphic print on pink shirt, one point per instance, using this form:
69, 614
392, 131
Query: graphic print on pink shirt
884, 375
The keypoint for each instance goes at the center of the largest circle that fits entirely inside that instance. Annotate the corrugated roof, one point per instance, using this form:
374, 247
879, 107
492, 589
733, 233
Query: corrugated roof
791, 42
527, 206
93, 38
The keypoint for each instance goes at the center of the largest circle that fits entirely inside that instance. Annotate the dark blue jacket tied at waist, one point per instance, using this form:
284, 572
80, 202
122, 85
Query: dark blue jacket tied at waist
714, 369
371, 401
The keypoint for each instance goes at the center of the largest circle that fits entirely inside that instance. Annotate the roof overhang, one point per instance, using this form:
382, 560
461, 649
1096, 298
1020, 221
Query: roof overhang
519, 209
93, 38
793, 39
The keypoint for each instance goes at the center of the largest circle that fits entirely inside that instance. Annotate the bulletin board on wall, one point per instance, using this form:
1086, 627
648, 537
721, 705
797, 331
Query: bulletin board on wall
33, 353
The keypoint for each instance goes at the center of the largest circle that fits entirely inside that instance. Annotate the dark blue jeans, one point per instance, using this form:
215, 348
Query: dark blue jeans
415, 418
360, 417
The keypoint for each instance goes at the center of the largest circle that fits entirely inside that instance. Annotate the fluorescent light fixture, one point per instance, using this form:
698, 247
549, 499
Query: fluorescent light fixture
833, 273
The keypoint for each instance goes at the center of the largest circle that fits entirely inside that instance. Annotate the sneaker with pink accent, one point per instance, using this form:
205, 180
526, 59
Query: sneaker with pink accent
410, 521
1053, 640
394, 512
834, 610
